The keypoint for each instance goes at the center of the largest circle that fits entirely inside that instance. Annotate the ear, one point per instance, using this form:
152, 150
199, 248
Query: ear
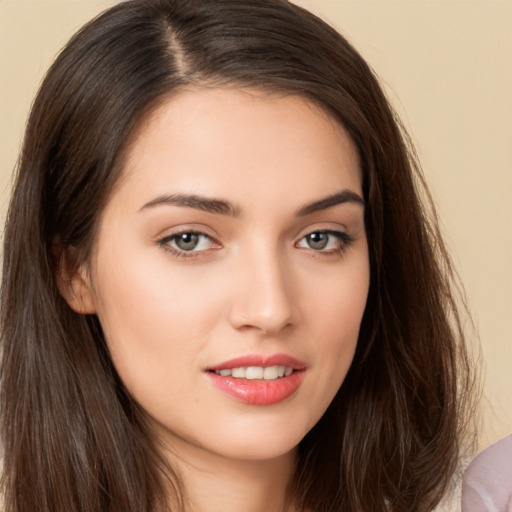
73, 280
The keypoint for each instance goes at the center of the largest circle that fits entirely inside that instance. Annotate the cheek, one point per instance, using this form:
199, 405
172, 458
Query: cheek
337, 303
334, 313
154, 319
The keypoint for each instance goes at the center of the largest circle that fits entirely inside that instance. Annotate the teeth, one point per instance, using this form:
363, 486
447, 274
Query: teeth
256, 372
239, 373
271, 373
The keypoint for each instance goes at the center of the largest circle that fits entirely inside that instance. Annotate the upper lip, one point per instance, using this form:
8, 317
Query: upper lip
260, 360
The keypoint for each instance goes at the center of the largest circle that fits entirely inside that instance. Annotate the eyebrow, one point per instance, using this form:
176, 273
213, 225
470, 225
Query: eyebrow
217, 206
222, 207
345, 196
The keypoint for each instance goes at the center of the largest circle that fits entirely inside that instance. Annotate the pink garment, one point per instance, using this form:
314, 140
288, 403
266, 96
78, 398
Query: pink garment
487, 482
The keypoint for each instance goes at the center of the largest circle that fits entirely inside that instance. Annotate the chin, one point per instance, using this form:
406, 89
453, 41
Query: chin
259, 450
260, 442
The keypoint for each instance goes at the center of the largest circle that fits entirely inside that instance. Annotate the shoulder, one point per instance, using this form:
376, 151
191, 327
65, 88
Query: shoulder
452, 498
487, 483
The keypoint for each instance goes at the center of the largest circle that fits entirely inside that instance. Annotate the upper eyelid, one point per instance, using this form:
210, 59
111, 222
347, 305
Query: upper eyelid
338, 228
183, 231
333, 232
177, 230
171, 236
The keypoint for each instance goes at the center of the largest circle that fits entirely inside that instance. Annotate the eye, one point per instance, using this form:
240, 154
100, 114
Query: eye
187, 242
325, 241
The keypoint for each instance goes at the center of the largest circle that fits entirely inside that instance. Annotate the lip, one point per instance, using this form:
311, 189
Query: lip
260, 360
258, 392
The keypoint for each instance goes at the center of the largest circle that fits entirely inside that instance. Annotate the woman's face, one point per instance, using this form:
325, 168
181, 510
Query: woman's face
230, 273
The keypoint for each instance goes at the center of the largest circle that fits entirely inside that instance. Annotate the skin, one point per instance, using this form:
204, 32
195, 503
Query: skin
253, 285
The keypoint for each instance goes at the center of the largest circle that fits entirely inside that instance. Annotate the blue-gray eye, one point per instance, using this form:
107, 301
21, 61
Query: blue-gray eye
326, 241
317, 241
188, 241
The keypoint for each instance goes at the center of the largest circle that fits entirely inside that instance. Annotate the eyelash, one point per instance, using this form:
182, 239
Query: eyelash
343, 238
180, 253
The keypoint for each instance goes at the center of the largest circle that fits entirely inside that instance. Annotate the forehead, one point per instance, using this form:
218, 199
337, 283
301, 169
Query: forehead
214, 141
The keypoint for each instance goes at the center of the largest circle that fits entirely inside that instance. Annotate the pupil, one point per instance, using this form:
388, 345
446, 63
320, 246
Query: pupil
187, 241
317, 240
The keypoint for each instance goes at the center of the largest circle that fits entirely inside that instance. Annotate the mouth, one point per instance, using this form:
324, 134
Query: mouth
256, 372
258, 380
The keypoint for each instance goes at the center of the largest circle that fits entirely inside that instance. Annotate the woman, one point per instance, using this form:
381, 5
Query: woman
220, 286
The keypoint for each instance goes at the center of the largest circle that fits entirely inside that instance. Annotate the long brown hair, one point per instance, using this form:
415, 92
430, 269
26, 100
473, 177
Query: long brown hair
73, 439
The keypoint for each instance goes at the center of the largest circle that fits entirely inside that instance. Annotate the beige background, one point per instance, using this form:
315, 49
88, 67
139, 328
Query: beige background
447, 67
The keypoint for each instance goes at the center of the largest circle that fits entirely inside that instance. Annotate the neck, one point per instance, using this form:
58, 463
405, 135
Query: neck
213, 483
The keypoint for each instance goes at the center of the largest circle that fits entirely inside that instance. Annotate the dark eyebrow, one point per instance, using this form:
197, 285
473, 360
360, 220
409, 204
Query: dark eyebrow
221, 207
345, 196
217, 206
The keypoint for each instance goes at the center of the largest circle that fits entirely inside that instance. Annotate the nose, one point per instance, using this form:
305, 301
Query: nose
263, 297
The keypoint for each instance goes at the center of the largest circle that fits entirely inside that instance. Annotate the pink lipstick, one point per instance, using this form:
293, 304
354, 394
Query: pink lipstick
258, 380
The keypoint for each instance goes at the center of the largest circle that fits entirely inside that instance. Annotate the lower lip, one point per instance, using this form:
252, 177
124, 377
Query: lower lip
258, 392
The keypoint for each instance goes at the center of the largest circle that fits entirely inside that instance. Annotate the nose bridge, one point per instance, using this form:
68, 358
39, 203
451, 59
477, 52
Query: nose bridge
263, 298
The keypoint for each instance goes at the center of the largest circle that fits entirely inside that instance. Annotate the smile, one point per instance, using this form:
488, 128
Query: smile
256, 372
258, 380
